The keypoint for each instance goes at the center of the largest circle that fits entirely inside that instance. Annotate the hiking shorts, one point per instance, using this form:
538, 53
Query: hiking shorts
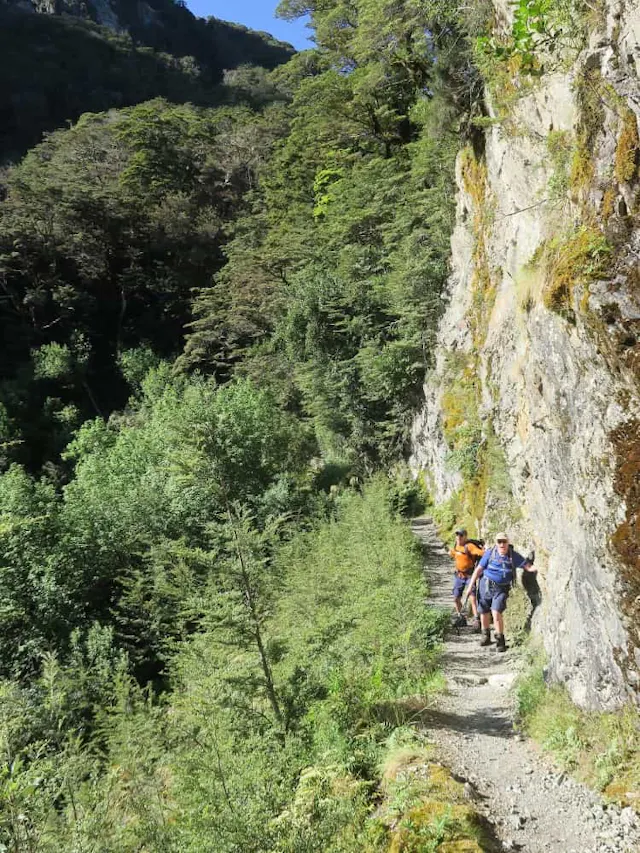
459, 586
493, 596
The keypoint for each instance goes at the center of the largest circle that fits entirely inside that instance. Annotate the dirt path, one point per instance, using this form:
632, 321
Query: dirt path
532, 806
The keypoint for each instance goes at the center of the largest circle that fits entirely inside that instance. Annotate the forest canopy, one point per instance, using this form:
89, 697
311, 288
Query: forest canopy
61, 63
216, 318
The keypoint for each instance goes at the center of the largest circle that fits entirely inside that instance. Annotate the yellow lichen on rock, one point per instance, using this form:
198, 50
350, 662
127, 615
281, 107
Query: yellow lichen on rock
424, 807
608, 204
626, 162
483, 290
459, 409
474, 177
568, 261
583, 169
402, 761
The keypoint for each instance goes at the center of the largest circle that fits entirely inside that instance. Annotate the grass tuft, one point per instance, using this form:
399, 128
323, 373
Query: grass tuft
600, 749
517, 616
577, 258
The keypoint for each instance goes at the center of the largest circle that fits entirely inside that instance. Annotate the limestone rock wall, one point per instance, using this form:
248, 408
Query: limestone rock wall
540, 341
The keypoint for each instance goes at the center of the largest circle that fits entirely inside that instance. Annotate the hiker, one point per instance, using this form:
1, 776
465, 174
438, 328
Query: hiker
466, 554
497, 573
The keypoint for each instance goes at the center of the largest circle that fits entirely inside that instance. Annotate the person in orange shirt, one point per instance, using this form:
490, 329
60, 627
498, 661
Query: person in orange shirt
466, 555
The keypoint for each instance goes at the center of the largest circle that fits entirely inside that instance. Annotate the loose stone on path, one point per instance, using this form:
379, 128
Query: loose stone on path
532, 806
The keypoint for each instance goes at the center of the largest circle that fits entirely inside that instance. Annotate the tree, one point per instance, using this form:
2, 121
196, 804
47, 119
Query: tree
105, 231
33, 606
333, 276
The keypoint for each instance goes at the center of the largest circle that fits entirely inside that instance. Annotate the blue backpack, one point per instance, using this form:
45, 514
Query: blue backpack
513, 579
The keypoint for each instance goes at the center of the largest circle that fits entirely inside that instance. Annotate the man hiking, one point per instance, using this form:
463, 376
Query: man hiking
497, 572
466, 555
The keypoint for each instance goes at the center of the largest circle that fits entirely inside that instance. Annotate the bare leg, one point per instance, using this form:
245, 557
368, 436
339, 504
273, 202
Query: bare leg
498, 622
457, 603
485, 620
474, 605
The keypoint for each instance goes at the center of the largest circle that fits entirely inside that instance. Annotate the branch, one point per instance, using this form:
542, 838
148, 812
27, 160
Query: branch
524, 209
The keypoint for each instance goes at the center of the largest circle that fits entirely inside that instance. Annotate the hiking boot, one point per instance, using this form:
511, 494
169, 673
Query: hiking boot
475, 625
501, 646
486, 638
458, 620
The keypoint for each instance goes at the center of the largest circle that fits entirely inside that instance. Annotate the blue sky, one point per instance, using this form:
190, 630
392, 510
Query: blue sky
257, 14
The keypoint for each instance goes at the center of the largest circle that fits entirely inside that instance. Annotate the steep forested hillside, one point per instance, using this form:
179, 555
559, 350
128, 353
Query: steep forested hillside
72, 58
216, 321
332, 198
104, 232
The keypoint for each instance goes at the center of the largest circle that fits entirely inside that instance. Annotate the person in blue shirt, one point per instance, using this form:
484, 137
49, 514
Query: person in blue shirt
497, 572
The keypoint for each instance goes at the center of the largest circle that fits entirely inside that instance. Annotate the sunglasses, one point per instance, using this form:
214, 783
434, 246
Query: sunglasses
502, 541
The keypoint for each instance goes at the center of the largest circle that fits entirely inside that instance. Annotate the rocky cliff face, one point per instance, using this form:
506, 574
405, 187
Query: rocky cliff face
531, 418
166, 25
117, 15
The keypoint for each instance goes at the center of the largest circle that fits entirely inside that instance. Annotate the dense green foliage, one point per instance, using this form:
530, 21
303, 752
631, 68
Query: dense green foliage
104, 231
545, 34
54, 68
215, 324
337, 268
328, 196
282, 698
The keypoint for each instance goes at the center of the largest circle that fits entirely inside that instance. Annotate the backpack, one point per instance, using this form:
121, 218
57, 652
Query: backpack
479, 543
514, 577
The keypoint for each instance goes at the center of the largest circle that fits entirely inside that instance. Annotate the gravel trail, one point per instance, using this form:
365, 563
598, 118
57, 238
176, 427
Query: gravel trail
532, 806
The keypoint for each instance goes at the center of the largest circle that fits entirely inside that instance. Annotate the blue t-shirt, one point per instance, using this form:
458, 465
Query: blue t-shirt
499, 568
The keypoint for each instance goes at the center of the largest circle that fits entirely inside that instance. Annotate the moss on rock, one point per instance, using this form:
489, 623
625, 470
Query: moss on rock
435, 813
626, 440
577, 258
627, 150
432, 825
